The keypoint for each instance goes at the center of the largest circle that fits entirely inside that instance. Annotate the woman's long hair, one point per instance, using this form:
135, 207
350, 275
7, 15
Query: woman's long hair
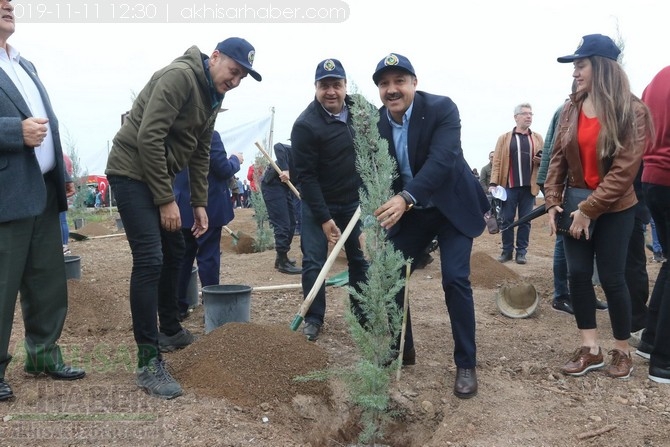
615, 107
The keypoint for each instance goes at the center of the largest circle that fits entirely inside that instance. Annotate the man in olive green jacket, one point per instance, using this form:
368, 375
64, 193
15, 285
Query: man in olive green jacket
169, 128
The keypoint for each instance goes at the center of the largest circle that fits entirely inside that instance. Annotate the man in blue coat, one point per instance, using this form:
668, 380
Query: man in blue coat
33, 190
436, 197
205, 249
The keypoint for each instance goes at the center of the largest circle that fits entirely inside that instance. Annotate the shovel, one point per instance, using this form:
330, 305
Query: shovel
300, 316
234, 235
277, 168
339, 280
243, 242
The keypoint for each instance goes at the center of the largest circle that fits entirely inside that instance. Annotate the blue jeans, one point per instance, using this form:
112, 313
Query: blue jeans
609, 245
157, 254
521, 200
314, 246
657, 331
64, 230
561, 289
656, 245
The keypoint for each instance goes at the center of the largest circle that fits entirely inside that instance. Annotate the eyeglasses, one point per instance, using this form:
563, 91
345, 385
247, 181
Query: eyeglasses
525, 113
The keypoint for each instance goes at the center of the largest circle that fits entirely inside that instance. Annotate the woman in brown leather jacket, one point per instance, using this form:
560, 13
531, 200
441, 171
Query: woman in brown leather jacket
598, 146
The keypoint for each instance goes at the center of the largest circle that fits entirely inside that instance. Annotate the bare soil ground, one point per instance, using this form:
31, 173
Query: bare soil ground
238, 378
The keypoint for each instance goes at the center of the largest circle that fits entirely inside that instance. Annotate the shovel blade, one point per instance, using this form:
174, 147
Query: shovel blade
295, 324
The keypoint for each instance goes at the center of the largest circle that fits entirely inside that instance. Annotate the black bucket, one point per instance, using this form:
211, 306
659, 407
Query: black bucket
72, 267
225, 304
192, 289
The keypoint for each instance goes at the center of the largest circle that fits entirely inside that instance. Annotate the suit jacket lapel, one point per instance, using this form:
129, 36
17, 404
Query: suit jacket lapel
415, 127
10, 89
385, 130
43, 93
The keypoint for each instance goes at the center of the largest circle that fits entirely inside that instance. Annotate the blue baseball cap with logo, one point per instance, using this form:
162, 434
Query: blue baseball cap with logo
330, 68
392, 61
241, 52
593, 45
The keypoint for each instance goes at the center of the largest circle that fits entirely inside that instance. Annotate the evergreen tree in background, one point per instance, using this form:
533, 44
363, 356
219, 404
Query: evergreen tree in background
264, 237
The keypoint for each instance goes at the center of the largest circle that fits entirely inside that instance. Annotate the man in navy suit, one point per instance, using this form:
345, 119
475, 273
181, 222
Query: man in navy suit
437, 197
33, 191
207, 248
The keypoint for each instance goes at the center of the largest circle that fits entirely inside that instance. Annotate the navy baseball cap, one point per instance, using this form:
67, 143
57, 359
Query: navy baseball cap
330, 68
241, 52
393, 60
593, 45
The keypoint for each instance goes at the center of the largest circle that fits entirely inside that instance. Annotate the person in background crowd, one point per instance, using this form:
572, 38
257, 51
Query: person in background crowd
655, 246
34, 191
515, 164
278, 199
234, 186
598, 147
245, 195
65, 230
655, 344
485, 174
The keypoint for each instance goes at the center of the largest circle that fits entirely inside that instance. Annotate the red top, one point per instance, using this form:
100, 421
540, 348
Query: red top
587, 137
657, 154
68, 164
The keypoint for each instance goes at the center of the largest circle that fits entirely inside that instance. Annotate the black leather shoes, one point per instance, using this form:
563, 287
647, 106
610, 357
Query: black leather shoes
311, 331
520, 259
59, 372
5, 390
466, 383
409, 357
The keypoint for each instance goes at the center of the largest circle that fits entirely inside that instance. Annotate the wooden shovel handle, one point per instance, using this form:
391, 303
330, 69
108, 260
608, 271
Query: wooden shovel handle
277, 168
329, 263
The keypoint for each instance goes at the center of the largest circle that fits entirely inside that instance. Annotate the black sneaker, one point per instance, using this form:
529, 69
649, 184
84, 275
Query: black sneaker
169, 343
601, 305
563, 306
157, 381
644, 350
505, 256
520, 259
658, 374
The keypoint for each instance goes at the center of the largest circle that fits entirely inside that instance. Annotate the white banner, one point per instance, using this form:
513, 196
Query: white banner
242, 138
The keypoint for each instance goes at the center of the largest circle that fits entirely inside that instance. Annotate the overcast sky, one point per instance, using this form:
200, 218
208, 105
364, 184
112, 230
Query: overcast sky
488, 56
